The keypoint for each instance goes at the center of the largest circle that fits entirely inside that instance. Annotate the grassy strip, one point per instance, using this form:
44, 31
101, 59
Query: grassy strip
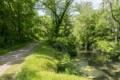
42, 65
17, 46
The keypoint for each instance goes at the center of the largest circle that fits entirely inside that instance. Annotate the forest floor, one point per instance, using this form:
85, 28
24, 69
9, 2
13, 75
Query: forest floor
14, 59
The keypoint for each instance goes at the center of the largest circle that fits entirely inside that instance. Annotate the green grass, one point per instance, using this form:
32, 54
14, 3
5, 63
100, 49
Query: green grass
10, 72
11, 48
42, 65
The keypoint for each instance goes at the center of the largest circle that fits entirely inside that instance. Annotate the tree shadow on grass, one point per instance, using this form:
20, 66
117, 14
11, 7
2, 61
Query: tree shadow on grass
46, 50
7, 77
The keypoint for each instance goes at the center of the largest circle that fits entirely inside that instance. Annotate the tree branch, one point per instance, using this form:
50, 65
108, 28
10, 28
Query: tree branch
113, 16
66, 7
53, 11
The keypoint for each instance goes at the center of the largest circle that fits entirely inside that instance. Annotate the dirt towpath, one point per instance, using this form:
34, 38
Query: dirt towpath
15, 57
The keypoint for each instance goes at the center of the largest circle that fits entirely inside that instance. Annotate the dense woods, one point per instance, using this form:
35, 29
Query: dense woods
17, 19
74, 28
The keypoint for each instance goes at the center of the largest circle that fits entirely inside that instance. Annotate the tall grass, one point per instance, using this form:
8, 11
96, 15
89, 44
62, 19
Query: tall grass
42, 65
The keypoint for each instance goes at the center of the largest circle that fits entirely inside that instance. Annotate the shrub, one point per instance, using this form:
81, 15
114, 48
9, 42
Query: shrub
66, 66
65, 44
64, 63
115, 54
103, 53
59, 55
105, 46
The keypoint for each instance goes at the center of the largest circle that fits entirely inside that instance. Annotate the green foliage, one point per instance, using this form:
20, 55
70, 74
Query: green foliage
42, 59
53, 76
16, 21
42, 65
97, 32
57, 9
58, 43
105, 46
94, 33
64, 44
84, 28
26, 74
66, 66
64, 63
43, 26
115, 54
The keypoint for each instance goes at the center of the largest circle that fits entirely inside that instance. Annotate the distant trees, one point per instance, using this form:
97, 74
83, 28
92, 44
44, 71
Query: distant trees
98, 30
84, 25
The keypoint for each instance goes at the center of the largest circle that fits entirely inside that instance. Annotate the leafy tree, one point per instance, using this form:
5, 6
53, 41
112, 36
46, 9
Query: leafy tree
84, 25
57, 10
16, 21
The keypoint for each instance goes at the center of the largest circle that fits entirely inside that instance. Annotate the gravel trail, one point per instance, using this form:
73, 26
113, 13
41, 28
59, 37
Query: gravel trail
15, 57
